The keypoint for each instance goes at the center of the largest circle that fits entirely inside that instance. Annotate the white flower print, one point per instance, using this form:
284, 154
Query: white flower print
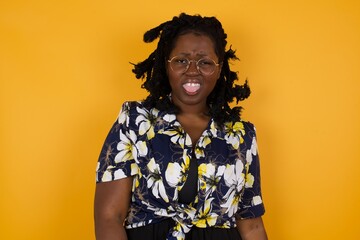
135, 169
209, 177
118, 174
179, 232
234, 133
249, 157
107, 176
201, 145
97, 166
173, 174
254, 147
155, 182
213, 129
169, 117
256, 200
129, 148
146, 121
234, 179
164, 212
224, 155
125, 147
178, 136
141, 148
123, 117
232, 202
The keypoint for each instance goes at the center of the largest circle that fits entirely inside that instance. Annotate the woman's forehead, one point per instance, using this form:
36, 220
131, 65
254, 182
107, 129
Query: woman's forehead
188, 44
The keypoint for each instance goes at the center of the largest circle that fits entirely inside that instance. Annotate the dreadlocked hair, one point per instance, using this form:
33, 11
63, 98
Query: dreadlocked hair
153, 69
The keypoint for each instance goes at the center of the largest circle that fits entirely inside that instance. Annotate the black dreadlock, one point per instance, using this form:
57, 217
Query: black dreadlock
153, 69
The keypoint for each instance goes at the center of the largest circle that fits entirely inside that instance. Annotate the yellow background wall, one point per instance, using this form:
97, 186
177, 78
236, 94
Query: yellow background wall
64, 71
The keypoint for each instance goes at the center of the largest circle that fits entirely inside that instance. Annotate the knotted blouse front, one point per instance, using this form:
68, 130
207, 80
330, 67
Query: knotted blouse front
151, 146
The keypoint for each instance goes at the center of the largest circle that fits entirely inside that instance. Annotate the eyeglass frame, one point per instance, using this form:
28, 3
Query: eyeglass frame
196, 64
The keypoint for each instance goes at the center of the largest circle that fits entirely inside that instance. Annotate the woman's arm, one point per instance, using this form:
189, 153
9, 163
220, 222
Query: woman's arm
112, 200
251, 229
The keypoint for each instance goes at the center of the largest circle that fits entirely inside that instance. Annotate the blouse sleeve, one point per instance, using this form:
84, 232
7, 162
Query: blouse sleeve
251, 204
116, 159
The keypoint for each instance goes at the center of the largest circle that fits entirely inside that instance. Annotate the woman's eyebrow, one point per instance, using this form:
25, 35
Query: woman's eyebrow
189, 54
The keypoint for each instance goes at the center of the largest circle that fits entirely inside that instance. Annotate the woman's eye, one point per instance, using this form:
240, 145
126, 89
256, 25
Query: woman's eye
181, 61
206, 62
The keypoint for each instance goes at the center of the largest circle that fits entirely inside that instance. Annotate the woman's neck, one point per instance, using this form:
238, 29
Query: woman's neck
189, 110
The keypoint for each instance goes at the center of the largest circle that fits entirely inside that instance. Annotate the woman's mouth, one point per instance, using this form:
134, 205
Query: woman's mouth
191, 88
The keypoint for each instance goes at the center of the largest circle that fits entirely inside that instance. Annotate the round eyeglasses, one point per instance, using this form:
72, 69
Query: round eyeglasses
205, 66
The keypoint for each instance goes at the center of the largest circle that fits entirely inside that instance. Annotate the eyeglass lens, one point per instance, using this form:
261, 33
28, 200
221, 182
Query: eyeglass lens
180, 64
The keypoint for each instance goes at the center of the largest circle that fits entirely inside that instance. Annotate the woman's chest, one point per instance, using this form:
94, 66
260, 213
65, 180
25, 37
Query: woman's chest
168, 155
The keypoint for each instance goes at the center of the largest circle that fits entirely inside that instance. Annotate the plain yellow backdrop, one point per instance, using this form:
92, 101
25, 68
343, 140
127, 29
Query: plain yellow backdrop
64, 71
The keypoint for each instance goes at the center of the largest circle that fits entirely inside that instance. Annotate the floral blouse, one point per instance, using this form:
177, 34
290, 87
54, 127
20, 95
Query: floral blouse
151, 146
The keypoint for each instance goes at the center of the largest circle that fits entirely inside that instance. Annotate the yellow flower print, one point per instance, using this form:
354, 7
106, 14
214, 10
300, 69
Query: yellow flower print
177, 227
201, 145
209, 177
199, 152
249, 180
234, 133
185, 164
204, 170
226, 224
205, 217
238, 126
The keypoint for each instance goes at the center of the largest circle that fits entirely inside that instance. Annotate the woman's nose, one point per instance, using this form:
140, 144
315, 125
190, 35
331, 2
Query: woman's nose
193, 69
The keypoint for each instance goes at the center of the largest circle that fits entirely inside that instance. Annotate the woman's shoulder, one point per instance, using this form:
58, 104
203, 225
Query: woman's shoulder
248, 125
132, 104
128, 109
132, 107
240, 125
248, 129
249, 132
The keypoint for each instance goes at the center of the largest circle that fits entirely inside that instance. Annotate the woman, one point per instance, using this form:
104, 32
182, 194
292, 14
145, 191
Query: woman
182, 164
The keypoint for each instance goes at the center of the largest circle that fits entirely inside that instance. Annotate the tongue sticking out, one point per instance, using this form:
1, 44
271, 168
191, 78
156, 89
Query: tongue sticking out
191, 88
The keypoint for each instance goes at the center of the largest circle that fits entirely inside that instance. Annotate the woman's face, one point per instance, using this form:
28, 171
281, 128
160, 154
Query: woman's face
192, 87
